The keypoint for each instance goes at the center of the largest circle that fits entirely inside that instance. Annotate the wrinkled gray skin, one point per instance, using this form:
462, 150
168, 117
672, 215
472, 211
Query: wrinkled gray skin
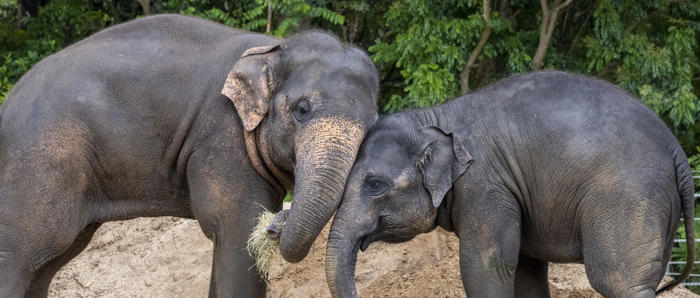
131, 122
542, 167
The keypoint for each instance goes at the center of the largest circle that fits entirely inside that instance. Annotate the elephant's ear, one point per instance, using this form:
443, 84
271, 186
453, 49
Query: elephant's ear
250, 84
442, 160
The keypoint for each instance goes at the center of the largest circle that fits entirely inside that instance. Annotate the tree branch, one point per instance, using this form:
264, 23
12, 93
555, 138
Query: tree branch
145, 6
695, 65
20, 14
608, 68
353, 28
564, 5
464, 75
578, 34
549, 21
269, 17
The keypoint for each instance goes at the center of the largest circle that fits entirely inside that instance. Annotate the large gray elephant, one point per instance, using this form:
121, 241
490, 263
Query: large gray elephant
537, 168
132, 122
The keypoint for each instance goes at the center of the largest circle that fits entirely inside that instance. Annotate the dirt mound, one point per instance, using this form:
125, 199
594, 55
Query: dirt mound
170, 257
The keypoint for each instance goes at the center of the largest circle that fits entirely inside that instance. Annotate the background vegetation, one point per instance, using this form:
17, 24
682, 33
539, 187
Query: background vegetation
430, 51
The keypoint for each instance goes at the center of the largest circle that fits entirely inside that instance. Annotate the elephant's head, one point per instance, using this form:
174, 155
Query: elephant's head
393, 192
310, 100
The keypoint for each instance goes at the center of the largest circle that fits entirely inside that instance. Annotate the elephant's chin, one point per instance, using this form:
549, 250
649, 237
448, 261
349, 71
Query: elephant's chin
364, 242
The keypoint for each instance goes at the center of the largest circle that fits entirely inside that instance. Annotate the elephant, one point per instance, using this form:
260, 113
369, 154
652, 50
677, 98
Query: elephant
541, 167
178, 116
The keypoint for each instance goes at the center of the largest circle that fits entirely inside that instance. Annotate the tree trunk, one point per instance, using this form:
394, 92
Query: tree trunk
353, 29
113, 11
20, 14
146, 6
269, 17
549, 21
464, 75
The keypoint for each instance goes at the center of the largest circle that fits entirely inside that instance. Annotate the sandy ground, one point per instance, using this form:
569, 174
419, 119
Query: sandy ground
170, 257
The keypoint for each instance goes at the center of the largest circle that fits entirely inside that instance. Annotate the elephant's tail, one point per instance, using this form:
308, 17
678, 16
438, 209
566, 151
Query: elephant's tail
686, 188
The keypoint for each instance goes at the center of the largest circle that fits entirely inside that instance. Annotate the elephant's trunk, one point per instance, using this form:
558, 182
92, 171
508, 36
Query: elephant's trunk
325, 152
341, 257
352, 229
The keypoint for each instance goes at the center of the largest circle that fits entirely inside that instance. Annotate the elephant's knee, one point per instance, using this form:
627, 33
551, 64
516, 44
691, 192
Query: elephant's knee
217, 225
208, 226
16, 275
501, 264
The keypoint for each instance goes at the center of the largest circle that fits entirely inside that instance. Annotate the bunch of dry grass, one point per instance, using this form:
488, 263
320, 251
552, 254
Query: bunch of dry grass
261, 246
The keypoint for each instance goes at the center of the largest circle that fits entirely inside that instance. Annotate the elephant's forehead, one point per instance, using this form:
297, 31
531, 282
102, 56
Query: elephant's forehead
320, 74
386, 156
355, 61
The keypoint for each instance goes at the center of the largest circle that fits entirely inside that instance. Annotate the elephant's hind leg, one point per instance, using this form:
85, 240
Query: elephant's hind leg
39, 286
42, 212
531, 278
32, 251
15, 277
624, 245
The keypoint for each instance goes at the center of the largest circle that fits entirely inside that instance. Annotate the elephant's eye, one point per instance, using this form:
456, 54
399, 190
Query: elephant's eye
375, 185
302, 111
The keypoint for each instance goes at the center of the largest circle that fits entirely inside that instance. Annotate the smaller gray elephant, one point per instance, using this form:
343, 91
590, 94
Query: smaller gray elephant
542, 167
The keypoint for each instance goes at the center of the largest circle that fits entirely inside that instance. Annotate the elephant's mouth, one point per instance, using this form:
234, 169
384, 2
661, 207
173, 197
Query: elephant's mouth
366, 241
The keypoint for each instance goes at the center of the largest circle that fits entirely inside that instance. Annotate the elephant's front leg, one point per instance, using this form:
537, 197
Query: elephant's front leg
489, 244
226, 206
233, 270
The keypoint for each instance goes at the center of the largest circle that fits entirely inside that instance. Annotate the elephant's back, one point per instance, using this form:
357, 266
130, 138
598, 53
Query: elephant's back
147, 51
547, 105
152, 70
564, 121
568, 120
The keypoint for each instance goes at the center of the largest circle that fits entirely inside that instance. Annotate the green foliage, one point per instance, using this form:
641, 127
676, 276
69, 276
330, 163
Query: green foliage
14, 63
5, 87
59, 23
652, 58
12, 38
287, 15
249, 20
695, 165
67, 21
429, 42
8, 9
